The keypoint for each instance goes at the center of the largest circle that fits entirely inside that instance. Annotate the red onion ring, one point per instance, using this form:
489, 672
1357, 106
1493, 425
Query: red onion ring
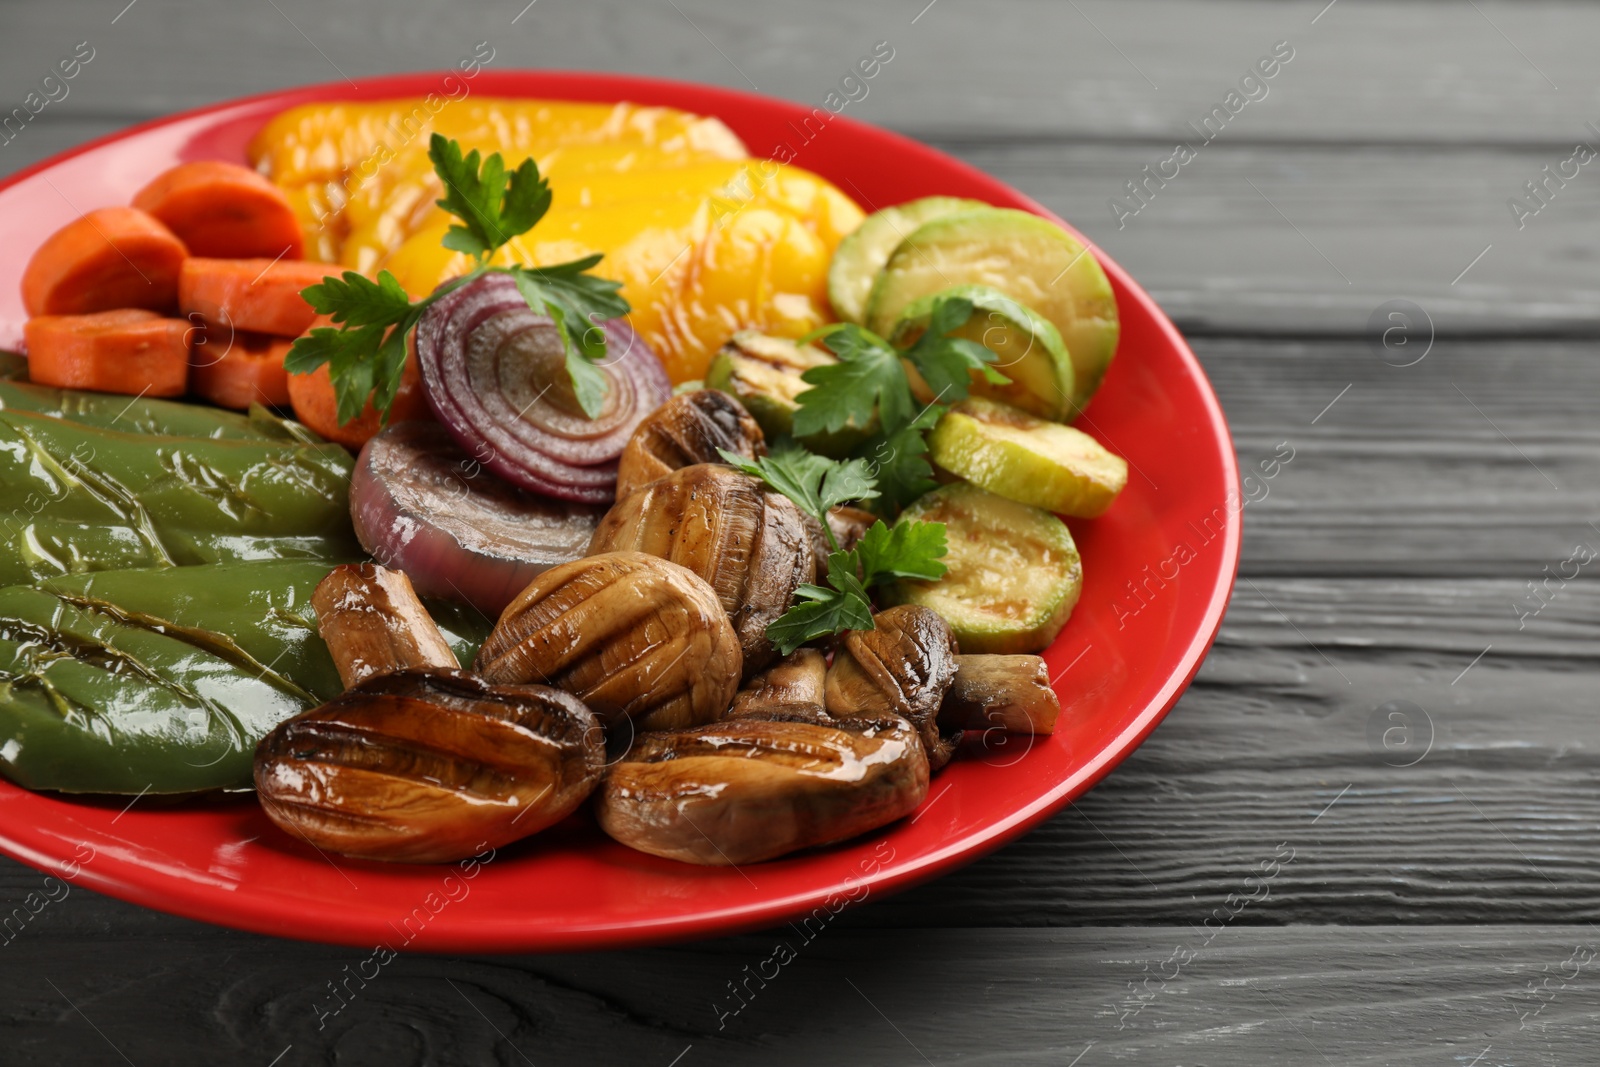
423, 506
494, 372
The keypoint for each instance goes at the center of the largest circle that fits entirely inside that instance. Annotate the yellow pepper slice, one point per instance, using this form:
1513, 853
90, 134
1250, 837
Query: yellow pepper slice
705, 240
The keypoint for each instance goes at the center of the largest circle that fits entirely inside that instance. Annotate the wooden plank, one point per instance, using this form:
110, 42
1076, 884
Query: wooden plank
1484, 996
1480, 459
1281, 740
1364, 71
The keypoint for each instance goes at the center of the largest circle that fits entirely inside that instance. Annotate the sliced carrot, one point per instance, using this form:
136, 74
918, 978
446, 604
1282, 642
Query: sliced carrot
116, 257
125, 351
250, 294
315, 404
223, 210
234, 369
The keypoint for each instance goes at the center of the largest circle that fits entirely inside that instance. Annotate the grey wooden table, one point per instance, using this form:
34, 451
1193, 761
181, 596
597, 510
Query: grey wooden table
1427, 555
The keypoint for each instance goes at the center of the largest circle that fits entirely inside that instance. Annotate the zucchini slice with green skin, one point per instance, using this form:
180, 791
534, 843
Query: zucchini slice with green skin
1028, 347
861, 255
1014, 573
763, 373
1011, 453
1031, 260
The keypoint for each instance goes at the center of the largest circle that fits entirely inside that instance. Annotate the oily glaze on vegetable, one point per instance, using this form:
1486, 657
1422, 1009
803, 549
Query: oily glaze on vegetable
163, 681
427, 766
705, 240
86, 499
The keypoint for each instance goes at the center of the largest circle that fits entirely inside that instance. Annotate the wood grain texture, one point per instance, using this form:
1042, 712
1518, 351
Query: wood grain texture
1367, 71
1371, 996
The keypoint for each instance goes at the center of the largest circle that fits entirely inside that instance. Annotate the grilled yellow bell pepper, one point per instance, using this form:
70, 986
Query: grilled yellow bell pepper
705, 240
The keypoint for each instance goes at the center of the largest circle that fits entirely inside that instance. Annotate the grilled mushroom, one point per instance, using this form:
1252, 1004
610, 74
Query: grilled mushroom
634, 636
373, 623
1010, 693
747, 790
749, 544
427, 766
847, 524
902, 667
790, 688
685, 430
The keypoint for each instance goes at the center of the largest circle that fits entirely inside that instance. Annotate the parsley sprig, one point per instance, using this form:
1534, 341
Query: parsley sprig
905, 550
868, 388
365, 350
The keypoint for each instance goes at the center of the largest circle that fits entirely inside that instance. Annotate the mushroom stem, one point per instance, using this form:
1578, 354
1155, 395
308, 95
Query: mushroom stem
373, 623
1010, 693
793, 685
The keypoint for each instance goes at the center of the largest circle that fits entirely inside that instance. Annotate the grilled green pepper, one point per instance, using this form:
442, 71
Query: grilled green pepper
76, 498
162, 681
148, 416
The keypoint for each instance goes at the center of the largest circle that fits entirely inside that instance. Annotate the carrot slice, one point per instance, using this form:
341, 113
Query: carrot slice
234, 369
223, 210
250, 294
125, 351
315, 405
116, 257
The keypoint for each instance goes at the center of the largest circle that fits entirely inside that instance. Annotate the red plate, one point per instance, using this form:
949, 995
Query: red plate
1159, 568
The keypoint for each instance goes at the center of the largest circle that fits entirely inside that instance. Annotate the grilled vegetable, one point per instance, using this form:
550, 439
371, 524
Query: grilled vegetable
702, 236
1017, 456
751, 545
127, 351
373, 623
860, 256
900, 667
792, 687
633, 636
1028, 346
763, 373
1014, 573
687, 429
1010, 693
109, 258
422, 505
80, 498
496, 375
250, 294
235, 369
147, 416
162, 681
750, 789
428, 766
1028, 258
222, 209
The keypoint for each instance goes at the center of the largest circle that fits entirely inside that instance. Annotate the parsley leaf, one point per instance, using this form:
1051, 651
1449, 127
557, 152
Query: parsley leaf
898, 462
868, 380
904, 550
358, 300
824, 611
366, 354
588, 380
946, 363
492, 206
351, 355
815, 483
578, 303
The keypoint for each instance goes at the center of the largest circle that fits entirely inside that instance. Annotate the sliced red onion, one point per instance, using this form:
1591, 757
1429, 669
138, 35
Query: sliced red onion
423, 506
494, 371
